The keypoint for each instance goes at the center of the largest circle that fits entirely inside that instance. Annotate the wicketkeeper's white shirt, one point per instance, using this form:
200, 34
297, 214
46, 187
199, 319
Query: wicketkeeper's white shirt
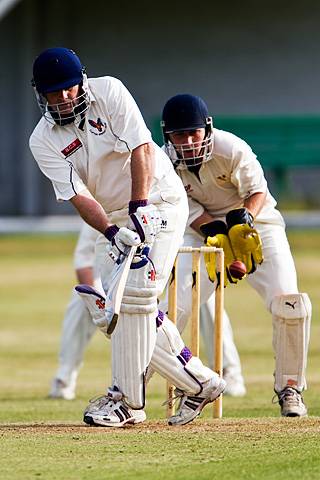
98, 157
226, 180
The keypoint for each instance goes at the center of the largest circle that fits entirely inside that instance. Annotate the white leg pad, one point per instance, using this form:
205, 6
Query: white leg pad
174, 361
134, 337
291, 315
139, 300
133, 342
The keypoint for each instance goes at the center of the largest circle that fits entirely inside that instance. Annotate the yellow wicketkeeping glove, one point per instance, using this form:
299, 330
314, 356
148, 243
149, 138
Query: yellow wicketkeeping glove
245, 240
216, 236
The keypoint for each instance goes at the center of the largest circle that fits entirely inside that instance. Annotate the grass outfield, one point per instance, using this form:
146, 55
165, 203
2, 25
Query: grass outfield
42, 438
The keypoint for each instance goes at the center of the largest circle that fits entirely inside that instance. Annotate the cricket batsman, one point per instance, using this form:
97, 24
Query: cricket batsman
93, 144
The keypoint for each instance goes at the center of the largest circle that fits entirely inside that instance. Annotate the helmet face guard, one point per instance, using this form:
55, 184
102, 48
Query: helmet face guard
54, 113
187, 113
58, 69
186, 155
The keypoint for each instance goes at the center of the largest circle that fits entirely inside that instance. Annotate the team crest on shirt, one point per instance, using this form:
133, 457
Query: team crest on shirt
188, 188
223, 178
98, 126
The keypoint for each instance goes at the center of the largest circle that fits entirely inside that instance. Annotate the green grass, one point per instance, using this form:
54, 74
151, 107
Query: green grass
42, 438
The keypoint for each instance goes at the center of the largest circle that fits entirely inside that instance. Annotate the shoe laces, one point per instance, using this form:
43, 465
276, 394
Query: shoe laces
178, 394
183, 397
100, 401
289, 395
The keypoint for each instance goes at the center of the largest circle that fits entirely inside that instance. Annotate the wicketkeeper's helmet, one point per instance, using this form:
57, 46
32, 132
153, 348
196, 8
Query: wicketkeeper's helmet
186, 112
57, 69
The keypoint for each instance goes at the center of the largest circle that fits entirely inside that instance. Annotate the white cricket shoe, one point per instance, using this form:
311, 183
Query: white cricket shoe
60, 389
235, 383
291, 403
191, 406
111, 411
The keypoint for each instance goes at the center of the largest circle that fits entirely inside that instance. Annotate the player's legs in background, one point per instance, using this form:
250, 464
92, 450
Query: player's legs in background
77, 330
276, 281
231, 361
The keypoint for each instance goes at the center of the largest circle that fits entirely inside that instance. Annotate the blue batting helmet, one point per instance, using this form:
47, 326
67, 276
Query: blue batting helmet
57, 69
184, 112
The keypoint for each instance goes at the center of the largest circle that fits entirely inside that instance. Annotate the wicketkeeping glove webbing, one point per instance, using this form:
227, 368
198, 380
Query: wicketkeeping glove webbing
244, 239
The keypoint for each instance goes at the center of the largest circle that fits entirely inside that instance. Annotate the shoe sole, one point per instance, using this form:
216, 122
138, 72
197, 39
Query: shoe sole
90, 420
216, 394
294, 415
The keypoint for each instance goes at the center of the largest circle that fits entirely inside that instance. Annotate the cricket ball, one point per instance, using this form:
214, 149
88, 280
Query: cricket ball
237, 269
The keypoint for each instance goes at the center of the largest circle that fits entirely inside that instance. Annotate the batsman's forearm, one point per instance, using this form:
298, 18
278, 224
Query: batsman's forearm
142, 171
91, 211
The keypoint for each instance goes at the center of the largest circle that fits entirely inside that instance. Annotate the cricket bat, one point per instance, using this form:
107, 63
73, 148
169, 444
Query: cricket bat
116, 289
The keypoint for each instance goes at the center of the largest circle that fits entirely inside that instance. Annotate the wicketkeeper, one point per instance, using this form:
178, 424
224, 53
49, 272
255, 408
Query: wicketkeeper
93, 144
231, 207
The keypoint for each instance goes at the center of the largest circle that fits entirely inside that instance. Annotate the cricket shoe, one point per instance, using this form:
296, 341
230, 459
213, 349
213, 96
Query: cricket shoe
291, 403
96, 303
111, 411
235, 383
191, 406
60, 389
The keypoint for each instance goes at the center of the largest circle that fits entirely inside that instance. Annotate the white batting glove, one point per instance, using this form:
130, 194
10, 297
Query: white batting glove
146, 220
121, 239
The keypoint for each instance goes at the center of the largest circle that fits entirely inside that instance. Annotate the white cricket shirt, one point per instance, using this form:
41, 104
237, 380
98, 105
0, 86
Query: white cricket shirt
98, 157
226, 180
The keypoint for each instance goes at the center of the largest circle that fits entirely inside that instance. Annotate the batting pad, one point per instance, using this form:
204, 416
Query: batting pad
291, 315
133, 342
174, 361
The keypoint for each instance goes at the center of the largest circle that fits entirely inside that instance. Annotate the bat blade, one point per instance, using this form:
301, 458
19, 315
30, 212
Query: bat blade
116, 289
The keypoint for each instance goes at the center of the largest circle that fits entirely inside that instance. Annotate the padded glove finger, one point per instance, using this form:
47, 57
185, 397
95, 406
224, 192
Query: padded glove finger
246, 245
216, 236
220, 241
147, 222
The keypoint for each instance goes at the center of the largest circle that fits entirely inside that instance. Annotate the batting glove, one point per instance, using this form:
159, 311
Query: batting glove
121, 239
145, 220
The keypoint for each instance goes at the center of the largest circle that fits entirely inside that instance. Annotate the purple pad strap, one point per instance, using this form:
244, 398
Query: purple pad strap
159, 318
185, 355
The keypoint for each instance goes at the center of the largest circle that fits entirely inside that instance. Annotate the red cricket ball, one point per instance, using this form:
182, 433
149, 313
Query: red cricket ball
237, 269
